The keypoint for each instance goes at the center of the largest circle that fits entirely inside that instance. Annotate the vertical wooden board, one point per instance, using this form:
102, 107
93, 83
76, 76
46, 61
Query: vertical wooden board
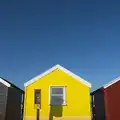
98, 105
112, 100
14, 102
3, 100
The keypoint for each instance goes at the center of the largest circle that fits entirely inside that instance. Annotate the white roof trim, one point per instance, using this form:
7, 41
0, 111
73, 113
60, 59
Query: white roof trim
4, 82
112, 82
54, 68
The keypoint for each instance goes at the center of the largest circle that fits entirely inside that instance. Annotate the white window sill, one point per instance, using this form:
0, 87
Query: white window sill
59, 105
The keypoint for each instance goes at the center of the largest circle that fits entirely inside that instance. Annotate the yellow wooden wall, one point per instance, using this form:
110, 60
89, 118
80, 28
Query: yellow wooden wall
77, 98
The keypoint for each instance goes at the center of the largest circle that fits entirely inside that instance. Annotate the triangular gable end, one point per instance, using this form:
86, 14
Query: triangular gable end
54, 68
4, 82
112, 82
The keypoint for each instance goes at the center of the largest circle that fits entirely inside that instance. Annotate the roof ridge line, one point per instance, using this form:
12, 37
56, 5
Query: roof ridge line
54, 68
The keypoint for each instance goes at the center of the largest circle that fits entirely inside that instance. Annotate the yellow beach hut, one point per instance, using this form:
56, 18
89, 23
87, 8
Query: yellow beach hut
57, 94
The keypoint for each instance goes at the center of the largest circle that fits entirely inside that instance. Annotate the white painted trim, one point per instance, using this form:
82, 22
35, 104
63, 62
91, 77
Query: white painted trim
64, 93
4, 82
39, 76
112, 82
49, 95
61, 68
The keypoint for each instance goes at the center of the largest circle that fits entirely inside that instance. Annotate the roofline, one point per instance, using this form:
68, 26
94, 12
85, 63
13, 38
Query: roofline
4, 82
9, 84
112, 82
54, 68
101, 88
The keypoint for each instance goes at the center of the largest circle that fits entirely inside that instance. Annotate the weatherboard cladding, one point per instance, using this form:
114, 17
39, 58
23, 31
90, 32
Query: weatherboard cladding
98, 106
112, 101
13, 104
3, 100
10, 100
110, 94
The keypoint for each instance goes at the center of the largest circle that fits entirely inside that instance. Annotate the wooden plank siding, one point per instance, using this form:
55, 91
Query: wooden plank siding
10, 101
98, 106
3, 100
112, 101
14, 101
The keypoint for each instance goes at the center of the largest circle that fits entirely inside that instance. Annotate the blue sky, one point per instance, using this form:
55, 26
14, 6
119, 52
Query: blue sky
81, 35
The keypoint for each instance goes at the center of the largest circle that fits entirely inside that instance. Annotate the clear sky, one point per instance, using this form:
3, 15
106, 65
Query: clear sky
81, 35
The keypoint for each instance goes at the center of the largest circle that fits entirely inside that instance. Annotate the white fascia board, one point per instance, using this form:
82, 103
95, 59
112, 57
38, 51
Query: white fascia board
62, 69
112, 82
4, 82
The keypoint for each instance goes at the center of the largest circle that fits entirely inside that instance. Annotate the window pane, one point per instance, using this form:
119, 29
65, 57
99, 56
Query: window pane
56, 100
37, 97
57, 90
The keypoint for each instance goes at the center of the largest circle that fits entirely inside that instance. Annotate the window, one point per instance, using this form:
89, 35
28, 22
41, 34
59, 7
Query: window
57, 95
37, 97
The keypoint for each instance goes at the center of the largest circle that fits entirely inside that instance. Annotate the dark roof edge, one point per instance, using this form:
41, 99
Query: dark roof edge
12, 85
101, 88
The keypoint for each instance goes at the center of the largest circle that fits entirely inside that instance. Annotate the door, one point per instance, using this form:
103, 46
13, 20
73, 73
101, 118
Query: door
37, 100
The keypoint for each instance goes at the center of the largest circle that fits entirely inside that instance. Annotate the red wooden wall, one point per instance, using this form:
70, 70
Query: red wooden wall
112, 101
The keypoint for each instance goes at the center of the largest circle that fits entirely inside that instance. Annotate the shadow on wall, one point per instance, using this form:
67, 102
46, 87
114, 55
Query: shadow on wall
56, 109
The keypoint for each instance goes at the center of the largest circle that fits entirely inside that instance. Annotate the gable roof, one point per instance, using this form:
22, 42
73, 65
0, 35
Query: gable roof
54, 68
9, 84
4, 82
97, 90
112, 82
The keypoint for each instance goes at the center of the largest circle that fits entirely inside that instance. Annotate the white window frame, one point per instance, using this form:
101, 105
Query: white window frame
64, 93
